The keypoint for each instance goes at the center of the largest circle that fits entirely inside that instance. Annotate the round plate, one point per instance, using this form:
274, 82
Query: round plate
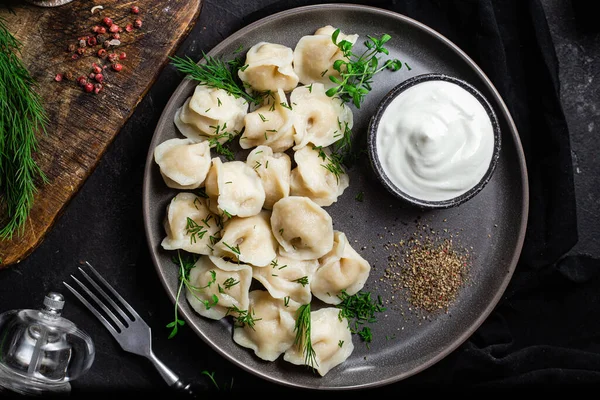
491, 225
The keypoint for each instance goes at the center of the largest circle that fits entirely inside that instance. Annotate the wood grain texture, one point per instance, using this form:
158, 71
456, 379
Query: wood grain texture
82, 125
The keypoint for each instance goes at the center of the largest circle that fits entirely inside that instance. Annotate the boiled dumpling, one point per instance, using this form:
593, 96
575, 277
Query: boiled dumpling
303, 229
248, 240
342, 269
269, 68
211, 113
272, 124
317, 177
272, 330
288, 278
319, 120
189, 224
274, 170
183, 163
331, 340
315, 54
234, 188
214, 293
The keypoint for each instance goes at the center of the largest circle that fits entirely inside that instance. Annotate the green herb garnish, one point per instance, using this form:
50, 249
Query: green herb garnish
215, 72
22, 115
357, 71
303, 339
185, 264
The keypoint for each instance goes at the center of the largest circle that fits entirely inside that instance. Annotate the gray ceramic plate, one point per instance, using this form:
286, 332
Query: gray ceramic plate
491, 225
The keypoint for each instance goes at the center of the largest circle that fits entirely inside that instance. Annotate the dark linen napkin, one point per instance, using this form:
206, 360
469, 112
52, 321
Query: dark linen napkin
545, 328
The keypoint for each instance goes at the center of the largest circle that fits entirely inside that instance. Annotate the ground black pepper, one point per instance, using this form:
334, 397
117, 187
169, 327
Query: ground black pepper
428, 270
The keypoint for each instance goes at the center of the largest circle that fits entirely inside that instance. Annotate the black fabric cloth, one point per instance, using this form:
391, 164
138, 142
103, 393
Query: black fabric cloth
544, 330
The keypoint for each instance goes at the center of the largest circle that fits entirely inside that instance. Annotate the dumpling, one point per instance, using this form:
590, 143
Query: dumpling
274, 170
190, 225
211, 113
269, 67
315, 54
183, 163
287, 277
234, 188
272, 331
319, 119
248, 240
331, 340
317, 177
303, 229
214, 293
340, 269
272, 124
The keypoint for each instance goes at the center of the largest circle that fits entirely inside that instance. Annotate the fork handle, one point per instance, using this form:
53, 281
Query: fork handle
171, 378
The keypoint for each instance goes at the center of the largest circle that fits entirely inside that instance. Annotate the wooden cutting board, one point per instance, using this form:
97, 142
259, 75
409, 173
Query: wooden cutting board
82, 125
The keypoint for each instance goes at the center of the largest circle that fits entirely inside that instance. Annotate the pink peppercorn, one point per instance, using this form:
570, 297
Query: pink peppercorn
122, 56
96, 68
112, 57
117, 67
58, 77
81, 80
97, 88
102, 53
128, 27
135, 9
107, 21
137, 23
88, 87
114, 28
99, 78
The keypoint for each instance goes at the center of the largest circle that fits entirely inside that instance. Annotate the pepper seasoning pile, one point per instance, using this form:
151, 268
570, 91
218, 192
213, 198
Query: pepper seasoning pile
430, 271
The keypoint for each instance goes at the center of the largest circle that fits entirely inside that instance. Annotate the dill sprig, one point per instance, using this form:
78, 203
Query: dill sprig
215, 72
303, 338
357, 71
22, 115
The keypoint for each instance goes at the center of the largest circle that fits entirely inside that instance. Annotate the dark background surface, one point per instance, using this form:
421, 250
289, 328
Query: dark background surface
545, 331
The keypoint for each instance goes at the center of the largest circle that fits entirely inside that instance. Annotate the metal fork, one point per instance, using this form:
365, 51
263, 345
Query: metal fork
132, 332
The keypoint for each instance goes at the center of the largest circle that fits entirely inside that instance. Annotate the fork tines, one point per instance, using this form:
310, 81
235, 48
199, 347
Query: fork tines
98, 291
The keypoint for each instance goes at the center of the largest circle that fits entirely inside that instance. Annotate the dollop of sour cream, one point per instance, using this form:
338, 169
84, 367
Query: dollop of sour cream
435, 141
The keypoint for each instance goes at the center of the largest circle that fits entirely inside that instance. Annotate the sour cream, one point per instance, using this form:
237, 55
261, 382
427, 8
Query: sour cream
435, 141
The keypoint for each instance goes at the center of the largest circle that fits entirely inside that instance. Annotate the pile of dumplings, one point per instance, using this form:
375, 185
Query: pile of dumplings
265, 241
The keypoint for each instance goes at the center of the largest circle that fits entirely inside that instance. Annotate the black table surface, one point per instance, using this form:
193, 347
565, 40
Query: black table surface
104, 224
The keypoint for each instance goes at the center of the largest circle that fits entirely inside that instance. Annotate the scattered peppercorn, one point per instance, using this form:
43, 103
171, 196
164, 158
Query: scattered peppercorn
114, 28
97, 88
101, 30
107, 21
122, 56
92, 75
91, 41
99, 78
129, 27
95, 29
81, 51
96, 68
116, 36
102, 53
112, 57
135, 9
81, 80
88, 87
58, 77
137, 23
117, 67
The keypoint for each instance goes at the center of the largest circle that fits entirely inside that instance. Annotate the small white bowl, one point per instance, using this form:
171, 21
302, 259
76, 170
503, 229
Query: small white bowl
373, 150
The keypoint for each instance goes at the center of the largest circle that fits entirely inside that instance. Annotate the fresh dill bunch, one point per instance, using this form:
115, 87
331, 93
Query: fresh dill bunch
215, 72
22, 116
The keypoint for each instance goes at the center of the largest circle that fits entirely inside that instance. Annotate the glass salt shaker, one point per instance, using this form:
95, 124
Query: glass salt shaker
41, 351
